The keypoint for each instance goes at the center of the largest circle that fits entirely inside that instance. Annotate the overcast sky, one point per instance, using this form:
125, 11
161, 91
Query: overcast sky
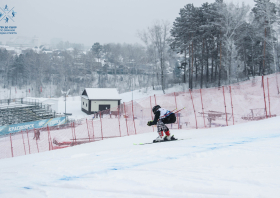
90, 21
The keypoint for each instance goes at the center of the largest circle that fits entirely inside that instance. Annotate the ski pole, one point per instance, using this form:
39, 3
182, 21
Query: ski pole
169, 113
180, 110
173, 112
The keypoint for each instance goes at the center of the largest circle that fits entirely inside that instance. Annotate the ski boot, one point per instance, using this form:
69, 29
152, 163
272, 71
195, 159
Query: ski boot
169, 137
159, 138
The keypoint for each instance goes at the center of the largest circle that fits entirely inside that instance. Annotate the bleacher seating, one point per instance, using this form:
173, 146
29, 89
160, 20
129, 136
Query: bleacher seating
18, 111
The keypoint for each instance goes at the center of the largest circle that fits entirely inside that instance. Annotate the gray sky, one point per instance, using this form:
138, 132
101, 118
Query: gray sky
90, 21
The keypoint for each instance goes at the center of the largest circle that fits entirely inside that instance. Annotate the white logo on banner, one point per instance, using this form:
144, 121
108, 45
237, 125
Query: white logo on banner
42, 123
29, 126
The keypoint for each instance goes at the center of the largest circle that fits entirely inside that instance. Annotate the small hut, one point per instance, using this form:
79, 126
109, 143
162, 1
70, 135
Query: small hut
99, 99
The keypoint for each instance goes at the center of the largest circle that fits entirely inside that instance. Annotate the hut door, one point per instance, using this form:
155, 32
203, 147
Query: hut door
104, 107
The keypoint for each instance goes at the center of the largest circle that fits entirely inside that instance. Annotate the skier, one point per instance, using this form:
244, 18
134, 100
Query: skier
162, 117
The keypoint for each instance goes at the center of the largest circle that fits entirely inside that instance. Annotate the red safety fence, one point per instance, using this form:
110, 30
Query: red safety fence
252, 100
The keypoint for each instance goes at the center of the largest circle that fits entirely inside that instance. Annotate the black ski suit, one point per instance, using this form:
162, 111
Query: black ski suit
162, 117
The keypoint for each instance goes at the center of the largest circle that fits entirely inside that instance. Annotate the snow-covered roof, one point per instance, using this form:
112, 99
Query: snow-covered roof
102, 94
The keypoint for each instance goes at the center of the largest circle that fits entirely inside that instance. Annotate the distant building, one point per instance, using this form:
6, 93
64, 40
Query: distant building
99, 99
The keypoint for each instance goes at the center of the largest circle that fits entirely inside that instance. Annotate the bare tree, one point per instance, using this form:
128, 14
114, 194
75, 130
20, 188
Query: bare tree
151, 52
157, 35
232, 16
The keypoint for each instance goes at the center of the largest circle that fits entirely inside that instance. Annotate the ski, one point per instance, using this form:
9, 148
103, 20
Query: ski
158, 142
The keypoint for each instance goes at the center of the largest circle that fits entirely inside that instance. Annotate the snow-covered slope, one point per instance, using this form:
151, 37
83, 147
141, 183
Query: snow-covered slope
236, 161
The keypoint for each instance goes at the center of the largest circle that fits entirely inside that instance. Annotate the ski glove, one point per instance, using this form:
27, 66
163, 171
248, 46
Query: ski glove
150, 123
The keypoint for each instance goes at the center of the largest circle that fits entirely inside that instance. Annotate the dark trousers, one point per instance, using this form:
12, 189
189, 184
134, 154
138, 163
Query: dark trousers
168, 120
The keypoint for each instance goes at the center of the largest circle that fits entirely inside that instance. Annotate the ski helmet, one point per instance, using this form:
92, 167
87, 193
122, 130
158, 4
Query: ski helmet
155, 108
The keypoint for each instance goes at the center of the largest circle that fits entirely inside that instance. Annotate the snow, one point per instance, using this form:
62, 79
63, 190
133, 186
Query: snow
236, 161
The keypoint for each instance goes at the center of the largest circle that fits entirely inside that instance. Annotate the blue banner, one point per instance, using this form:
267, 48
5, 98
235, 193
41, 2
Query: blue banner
31, 125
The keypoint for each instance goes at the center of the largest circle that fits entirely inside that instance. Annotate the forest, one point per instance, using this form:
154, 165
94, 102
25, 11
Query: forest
212, 45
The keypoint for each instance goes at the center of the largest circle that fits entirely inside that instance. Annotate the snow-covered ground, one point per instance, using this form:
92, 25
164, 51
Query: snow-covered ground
236, 161
73, 103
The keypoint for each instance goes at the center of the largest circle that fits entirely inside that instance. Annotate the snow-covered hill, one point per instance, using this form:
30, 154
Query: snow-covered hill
236, 161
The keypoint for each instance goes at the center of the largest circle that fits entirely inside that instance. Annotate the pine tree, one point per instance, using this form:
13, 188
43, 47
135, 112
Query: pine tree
265, 16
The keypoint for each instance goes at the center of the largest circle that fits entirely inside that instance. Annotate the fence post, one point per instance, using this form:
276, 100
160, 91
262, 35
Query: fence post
36, 139
264, 97
119, 121
28, 140
92, 130
231, 105
193, 107
23, 142
88, 130
73, 142
177, 113
225, 104
101, 125
74, 132
175, 100
155, 99
50, 138
151, 108
202, 109
152, 111
268, 97
133, 118
277, 83
125, 118
11, 145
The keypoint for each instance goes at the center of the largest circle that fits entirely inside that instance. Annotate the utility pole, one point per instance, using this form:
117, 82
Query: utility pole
51, 86
65, 93
132, 80
10, 93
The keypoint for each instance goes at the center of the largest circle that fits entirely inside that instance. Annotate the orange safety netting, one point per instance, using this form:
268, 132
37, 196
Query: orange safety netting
251, 100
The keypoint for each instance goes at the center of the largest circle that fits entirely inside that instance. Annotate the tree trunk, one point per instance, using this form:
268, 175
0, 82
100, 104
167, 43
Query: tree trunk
195, 63
162, 75
220, 68
190, 66
264, 53
192, 69
201, 78
207, 65
216, 62
245, 67
185, 67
